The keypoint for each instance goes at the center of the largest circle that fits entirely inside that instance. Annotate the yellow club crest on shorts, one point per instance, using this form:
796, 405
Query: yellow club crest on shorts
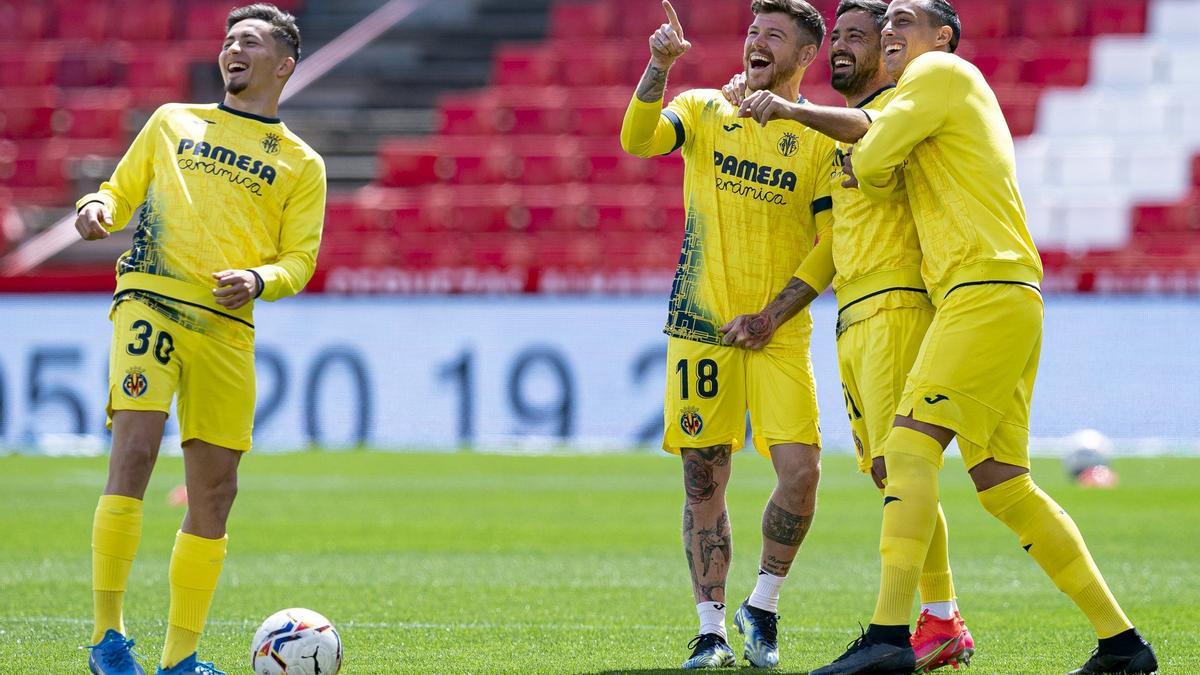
690, 421
135, 382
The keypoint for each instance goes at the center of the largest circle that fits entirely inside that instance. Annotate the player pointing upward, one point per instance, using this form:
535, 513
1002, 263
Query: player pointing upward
232, 208
756, 197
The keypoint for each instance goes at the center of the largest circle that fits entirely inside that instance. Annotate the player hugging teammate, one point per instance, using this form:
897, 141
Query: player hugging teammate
939, 317
232, 205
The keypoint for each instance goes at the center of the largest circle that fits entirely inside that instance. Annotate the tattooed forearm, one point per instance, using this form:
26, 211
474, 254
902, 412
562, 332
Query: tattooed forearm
794, 297
782, 527
653, 84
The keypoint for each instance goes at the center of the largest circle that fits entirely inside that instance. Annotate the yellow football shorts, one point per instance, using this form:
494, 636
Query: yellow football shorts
975, 371
875, 356
153, 358
710, 388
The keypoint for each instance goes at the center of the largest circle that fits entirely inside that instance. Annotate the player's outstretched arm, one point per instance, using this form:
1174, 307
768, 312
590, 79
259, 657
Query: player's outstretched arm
847, 125
645, 132
754, 331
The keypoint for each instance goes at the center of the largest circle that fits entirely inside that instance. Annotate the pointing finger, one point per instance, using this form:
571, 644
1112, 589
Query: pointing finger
673, 18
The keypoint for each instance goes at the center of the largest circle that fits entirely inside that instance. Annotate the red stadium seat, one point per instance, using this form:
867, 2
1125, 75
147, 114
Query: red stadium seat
1060, 18
205, 21
29, 66
36, 170
570, 20
524, 65
92, 21
602, 117
26, 20
1196, 171
29, 114
405, 162
984, 19
89, 68
471, 113
155, 78
1117, 16
155, 20
97, 115
597, 64
1019, 104
1000, 61
1058, 63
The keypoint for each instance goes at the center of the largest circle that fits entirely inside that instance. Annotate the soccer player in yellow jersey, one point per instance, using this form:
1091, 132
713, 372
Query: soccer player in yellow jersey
873, 259
232, 205
756, 198
944, 137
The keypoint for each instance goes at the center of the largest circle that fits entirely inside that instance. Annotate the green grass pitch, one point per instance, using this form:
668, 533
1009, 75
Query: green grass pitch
467, 563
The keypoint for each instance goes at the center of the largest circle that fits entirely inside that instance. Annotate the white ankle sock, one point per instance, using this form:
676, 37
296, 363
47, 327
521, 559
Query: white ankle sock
942, 610
766, 592
712, 618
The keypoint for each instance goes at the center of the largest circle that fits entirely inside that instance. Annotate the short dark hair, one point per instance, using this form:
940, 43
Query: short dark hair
942, 13
283, 25
876, 8
805, 15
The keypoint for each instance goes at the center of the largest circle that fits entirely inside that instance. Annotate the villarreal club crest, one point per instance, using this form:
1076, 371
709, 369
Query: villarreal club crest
691, 422
135, 382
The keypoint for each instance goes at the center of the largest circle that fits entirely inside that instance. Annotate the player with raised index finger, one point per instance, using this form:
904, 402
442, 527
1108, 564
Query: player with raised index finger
232, 205
756, 198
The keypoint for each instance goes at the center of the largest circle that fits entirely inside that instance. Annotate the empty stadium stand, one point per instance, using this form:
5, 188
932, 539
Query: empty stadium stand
489, 136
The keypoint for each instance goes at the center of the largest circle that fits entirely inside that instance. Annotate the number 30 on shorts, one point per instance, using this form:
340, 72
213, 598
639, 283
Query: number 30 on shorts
164, 344
706, 378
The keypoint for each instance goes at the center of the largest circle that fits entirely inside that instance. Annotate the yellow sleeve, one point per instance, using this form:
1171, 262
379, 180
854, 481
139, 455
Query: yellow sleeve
918, 110
817, 270
126, 189
648, 130
299, 237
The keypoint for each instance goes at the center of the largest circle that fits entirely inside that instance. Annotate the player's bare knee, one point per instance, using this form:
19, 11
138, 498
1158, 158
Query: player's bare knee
989, 473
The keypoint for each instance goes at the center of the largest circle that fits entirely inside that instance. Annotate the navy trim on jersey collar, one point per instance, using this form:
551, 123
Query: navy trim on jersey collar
874, 96
239, 113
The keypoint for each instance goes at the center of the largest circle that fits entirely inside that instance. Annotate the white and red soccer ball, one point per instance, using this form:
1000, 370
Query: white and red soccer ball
296, 642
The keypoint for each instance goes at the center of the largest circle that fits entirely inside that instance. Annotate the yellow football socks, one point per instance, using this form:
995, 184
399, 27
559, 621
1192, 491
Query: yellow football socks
195, 567
116, 532
1051, 537
910, 507
937, 584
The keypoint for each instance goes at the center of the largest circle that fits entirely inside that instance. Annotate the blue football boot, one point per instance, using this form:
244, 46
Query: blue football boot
113, 655
190, 666
760, 627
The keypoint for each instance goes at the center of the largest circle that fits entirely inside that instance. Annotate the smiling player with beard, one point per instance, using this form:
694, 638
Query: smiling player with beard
873, 260
756, 199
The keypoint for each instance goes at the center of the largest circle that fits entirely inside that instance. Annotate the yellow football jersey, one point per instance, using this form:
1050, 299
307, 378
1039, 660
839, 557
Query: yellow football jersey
875, 245
944, 137
220, 189
756, 198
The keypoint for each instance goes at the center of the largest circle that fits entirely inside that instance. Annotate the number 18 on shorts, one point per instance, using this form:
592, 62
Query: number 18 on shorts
710, 388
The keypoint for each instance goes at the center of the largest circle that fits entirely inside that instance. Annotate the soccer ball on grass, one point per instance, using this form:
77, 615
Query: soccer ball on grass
296, 642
